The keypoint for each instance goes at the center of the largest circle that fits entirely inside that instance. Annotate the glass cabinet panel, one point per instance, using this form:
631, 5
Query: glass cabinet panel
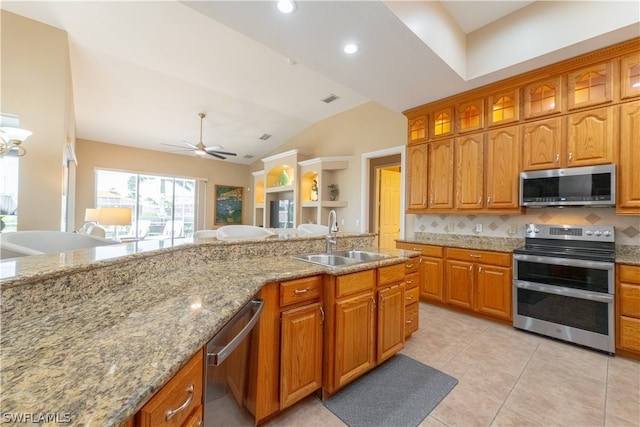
504, 107
442, 122
418, 129
543, 98
470, 116
590, 86
630, 76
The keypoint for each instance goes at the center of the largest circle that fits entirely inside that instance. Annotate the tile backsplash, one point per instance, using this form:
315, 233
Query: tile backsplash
627, 228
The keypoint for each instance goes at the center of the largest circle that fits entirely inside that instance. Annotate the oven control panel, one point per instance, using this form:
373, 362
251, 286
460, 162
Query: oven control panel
594, 233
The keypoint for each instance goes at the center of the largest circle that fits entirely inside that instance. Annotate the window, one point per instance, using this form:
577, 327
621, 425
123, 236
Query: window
162, 207
9, 193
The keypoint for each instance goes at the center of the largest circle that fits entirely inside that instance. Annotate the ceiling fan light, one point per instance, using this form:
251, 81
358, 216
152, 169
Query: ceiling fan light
286, 6
200, 152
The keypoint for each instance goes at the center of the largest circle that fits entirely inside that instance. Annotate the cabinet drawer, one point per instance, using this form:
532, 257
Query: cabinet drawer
411, 295
411, 265
630, 333
185, 386
629, 274
427, 250
411, 315
485, 257
390, 274
629, 300
306, 289
355, 282
411, 280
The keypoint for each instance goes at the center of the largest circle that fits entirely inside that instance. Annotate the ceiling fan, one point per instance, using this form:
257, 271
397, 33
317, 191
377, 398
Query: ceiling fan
202, 150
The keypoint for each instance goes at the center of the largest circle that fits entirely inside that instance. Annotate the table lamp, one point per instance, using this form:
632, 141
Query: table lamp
115, 217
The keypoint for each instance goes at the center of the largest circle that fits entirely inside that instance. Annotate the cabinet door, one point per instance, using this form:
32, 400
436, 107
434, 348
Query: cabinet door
459, 283
591, 137
300, 353
630, 76
441, 175
417, 177
417, 131
503, 168
469, 155
354, 338
390, 321
432, 287
541, 144
628, 166
590, 86
494, 291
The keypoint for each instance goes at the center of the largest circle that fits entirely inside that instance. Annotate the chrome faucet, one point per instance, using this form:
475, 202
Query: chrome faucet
332, 222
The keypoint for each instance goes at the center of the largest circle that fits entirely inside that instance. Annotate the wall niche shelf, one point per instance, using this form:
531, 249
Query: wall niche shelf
295, 186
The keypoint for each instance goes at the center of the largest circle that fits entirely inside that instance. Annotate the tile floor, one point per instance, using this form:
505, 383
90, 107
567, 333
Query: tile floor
508, 377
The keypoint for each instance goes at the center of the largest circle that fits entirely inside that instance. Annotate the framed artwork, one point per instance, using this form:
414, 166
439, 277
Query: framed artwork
228, 208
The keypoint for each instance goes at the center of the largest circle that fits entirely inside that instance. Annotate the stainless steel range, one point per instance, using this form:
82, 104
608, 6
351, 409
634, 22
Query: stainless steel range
563, 284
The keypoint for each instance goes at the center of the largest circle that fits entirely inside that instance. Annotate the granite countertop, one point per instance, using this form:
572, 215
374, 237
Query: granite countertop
94, 356
625, 254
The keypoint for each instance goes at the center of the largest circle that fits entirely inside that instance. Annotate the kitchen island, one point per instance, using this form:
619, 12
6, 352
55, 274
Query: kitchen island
89, 336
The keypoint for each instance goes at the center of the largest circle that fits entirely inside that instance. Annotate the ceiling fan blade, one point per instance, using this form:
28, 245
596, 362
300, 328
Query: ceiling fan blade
214, 148
216, 155
222, 152
178, 146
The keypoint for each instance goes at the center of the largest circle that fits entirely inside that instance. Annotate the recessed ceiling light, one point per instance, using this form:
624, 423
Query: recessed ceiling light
351, 48
286, 6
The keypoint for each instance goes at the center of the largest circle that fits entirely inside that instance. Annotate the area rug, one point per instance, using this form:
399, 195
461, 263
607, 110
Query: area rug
399, 393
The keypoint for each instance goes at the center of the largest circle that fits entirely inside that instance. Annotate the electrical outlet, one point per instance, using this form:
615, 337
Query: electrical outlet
478, 228
451, 227
513, 229
357, 222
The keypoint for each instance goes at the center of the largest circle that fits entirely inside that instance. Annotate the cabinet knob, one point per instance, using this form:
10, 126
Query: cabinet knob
470, 268
488, 199
570, 157
557, 160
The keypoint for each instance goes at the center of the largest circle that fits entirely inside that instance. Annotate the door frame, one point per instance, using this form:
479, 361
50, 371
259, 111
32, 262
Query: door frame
366, 191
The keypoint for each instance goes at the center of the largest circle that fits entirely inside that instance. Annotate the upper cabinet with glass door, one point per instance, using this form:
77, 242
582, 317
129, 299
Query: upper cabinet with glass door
590, 86
442, 123
470, 116
417, 131
630, 76
504, 107
543, 98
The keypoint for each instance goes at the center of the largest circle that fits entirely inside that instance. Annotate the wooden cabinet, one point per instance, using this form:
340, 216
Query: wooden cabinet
469, 167
431, 270
503, 169
628, 184
417, 177
543, 98
628, 310
441, 124
470, 116
542, 144
630, 76
504, 107
592, 137
417, 129
589, 86
479, 281
390, 311
441, 176
412, 280
179, 402
300, 353
350, 328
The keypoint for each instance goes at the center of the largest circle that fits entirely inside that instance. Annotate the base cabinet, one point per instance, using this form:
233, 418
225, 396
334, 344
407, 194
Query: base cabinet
412, 280
179, 402
300, 353
628, 310
431, 270
391, 307
479, 281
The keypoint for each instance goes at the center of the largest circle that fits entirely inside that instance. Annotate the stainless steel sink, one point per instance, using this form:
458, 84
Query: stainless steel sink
330, 260
341, 258
362, 255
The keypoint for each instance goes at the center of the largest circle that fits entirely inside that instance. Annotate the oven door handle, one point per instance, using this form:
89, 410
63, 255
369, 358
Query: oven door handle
601, 265
565, 292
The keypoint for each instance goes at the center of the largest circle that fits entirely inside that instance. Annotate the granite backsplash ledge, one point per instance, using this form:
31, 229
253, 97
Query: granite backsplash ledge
44, 290
505, 244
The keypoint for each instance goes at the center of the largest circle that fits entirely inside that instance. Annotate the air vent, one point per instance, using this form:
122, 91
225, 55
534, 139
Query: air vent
248, 156
330, 98
265, 136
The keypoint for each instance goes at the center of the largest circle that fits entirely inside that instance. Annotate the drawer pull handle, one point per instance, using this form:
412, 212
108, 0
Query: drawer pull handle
301, 291
475, 256
172, 412
409, 282
410, 297
409, 265
408, 321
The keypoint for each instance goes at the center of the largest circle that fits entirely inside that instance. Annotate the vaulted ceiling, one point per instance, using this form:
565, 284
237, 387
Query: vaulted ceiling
143, 70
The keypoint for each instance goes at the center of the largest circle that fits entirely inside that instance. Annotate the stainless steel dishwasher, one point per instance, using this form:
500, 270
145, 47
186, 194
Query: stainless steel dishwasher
226, 373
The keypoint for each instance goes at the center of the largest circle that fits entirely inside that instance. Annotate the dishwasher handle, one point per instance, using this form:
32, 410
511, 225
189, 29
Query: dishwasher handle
216, 354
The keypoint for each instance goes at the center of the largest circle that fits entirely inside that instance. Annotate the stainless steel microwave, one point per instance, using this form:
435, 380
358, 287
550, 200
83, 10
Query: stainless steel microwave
591, 185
